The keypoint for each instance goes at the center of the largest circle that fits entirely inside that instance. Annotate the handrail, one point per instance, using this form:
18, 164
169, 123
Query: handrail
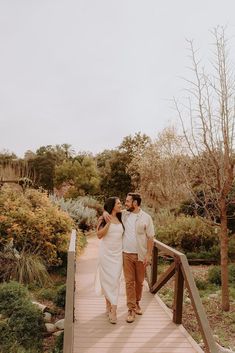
69, 300
180, 268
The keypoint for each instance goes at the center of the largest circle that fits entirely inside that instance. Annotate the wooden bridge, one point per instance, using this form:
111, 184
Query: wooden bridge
158, 330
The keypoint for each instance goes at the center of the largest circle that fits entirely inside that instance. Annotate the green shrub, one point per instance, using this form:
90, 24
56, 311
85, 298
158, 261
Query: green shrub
189, 234
34, 223
27, 324
46, 294
200, 283
214, 274
22, 267
22, 330
60, 296
231, 248
59, 344
11, 296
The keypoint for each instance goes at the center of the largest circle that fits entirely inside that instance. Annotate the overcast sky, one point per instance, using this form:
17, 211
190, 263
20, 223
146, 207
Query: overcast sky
90, 72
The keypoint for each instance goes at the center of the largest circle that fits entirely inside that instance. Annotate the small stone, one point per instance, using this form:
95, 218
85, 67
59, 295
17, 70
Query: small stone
187, 300
40, 306
50, 327
58, 333
213, 296
47, 316
60, 324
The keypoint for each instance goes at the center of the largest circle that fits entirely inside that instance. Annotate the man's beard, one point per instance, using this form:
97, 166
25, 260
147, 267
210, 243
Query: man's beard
130, 209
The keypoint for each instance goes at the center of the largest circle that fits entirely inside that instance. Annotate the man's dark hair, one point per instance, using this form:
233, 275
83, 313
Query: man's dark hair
135, 197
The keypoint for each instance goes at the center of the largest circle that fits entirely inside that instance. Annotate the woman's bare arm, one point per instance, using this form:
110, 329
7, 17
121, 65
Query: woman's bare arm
101, 232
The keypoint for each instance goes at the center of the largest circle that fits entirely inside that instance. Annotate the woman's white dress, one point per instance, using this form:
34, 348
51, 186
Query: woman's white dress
110, 263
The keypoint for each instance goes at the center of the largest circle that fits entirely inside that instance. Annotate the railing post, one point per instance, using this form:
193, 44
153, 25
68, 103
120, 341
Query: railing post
178, 293
69, 302
154, 266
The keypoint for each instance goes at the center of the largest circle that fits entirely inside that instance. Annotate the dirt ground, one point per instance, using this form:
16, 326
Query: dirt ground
222, 323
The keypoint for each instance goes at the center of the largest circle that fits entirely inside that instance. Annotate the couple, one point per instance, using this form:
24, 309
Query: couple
126, 242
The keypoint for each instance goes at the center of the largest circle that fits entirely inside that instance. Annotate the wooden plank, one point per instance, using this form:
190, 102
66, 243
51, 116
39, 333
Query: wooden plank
178, 294
69, 300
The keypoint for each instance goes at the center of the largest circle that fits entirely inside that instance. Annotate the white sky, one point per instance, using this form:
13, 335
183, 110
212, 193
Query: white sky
90, 72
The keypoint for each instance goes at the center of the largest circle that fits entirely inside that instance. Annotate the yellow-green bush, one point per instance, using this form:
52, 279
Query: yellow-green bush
190, 234
34, 224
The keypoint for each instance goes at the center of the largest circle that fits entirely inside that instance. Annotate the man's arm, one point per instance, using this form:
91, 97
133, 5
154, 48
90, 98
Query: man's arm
148, 256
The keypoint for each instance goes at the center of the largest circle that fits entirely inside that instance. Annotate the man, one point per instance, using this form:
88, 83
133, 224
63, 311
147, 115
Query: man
137, 250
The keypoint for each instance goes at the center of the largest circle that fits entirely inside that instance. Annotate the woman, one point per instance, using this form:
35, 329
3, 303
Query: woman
110, 257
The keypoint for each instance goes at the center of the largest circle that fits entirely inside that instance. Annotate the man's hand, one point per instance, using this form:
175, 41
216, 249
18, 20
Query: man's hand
147, 260
107, 216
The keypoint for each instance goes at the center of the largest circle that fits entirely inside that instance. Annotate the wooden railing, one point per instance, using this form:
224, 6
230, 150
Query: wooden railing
69, 301
183, 278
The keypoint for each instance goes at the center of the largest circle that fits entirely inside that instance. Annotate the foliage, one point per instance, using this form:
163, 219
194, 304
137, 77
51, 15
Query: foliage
43, 163
160, 168
115, 180
200, 283
189, 234
60, 296
22, 267
214, 274
12, 294
59, 344
22, 331
34, 224
82, 210
82, 174
27, 324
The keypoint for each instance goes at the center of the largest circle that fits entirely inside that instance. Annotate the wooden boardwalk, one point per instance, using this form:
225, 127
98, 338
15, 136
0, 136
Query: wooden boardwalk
153, 332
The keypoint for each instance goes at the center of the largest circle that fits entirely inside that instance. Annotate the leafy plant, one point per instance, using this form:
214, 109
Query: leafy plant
214, 274
59, 344
34, 224
189, 234
82, 210
22, 331
60, 296
12, 294
22, 267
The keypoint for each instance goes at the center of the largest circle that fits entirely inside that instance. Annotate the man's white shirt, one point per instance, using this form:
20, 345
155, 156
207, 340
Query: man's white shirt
129, 238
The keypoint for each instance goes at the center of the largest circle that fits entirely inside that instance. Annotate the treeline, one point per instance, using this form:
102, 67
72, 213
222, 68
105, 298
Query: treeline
78, 174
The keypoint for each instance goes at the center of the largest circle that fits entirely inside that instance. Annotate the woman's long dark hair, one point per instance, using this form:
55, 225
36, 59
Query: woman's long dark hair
109, 206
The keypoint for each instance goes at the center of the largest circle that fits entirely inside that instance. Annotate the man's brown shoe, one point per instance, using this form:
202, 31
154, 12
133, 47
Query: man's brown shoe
130, 316
138, 310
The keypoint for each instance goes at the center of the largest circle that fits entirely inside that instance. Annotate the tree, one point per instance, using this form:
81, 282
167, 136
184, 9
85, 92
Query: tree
133, 148
159, 170
210, 141
43, 163
82, 173
115, 180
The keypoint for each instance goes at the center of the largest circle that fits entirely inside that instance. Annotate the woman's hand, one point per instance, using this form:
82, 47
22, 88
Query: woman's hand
107, 217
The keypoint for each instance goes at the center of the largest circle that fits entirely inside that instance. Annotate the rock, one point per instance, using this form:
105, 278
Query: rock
213, 296
2, 317
40, 306
58, 333
187, 300
50, 327
47, 316
224, 350
60, 324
